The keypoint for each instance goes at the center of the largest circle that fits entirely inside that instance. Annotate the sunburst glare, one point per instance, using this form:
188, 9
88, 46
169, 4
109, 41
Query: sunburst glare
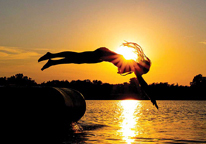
127, 52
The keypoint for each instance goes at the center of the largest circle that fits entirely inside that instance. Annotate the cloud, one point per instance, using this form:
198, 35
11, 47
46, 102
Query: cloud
9, 49
204, 42
9, 53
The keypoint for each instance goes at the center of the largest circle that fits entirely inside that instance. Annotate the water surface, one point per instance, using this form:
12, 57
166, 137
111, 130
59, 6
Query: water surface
133, 121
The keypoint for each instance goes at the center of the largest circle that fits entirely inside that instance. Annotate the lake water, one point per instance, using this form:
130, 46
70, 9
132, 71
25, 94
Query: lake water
134, 121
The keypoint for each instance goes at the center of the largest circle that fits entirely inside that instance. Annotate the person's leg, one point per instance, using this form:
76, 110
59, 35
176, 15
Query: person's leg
99, 55
49, 55
71, 57
77, 57
45, 57
54, 62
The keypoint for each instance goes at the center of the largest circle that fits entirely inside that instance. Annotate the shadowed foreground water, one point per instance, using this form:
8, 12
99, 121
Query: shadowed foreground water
132, 121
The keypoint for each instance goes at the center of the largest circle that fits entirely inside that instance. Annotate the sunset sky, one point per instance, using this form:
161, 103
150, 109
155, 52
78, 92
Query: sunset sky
171, 32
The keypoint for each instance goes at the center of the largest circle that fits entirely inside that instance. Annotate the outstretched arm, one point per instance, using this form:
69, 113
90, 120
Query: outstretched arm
144, 87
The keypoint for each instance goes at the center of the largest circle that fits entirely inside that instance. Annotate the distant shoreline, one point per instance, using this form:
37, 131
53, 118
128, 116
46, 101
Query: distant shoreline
189, 95
96, 90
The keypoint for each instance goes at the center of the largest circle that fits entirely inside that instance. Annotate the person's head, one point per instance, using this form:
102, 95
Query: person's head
140, 68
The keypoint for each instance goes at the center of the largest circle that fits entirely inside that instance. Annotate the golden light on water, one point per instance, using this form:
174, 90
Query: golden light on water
130, 119
127, 52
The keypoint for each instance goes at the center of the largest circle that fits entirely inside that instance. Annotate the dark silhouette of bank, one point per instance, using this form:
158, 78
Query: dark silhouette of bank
97, 90
17, 80
39, 114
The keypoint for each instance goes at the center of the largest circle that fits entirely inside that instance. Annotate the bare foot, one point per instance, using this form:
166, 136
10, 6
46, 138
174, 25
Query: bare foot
47, 65
45, 57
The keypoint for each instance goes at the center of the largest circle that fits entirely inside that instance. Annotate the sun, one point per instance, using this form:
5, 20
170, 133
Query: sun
127, 52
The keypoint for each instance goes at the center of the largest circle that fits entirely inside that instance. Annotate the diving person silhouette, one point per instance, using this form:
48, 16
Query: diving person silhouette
103, 54
96, 56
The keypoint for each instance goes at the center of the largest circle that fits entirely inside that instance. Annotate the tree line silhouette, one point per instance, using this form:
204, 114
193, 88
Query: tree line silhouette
98, 90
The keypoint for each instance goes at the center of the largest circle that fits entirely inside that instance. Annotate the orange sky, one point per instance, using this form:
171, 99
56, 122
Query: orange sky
172, 34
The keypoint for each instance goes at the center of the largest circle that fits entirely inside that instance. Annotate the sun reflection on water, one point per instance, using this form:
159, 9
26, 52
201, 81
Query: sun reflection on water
130, 118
